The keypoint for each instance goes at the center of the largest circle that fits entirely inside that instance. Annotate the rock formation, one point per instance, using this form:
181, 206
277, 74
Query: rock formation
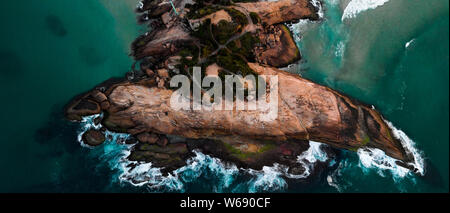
249, 39
93, 137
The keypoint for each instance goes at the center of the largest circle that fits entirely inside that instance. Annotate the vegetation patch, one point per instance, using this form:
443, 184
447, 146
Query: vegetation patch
224, 30
366, 140
233, 63
237, 16
244, 46
255, 17
200, 10
245, 155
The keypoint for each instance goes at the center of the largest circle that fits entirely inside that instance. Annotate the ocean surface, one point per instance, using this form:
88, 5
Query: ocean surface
392, 54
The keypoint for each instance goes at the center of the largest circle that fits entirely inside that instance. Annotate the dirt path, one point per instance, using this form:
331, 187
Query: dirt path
250, 27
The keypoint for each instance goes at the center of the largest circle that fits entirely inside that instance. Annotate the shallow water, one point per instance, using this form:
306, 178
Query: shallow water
392, 55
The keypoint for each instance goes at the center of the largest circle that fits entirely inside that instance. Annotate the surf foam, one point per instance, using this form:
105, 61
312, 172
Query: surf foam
87, 123
268, 179
114, 153
409, 146
318, 5
376, 158
409, 43
357, 6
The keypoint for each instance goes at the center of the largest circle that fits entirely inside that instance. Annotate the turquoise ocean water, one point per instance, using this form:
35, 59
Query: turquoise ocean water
392, 54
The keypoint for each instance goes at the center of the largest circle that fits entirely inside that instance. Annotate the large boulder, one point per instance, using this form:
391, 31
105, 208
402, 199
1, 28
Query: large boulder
79, 108
93, 137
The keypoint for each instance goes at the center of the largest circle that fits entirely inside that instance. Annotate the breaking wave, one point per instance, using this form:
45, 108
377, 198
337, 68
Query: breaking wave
311, 156
357, 6
229, 178
409, 146
409, 43
298, 28
270, 178
87, 123
202, 164
376, 158
370, 160
318, 5
114, 153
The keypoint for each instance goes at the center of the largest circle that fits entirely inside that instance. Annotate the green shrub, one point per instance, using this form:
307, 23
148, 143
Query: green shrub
237, 16
255, 17
223, 31
247, 42
197, 11
233, 63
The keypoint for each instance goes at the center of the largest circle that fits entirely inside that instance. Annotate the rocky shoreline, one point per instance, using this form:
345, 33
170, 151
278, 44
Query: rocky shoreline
222, 36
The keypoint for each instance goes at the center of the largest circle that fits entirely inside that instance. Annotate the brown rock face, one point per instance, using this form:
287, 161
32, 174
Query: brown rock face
157, 7
147, 138
306, 111
280, 48
170, 157
330, 117
161, 43
163, 141
274, 12
93, 137
82, 106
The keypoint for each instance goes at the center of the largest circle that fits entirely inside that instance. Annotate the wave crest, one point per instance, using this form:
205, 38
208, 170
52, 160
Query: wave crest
376, 158
357, 6
114, 154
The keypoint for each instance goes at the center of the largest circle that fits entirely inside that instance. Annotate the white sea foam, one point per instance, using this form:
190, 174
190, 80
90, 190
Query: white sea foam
314, 153
201, 163
357, 6
140, 5
409, 146
318, 4
409, 43
268, 179
87, 123
143, 174
340, 49
298, 28
376, 158
146, 175
114, 153
303, 24
309, 157
332, 183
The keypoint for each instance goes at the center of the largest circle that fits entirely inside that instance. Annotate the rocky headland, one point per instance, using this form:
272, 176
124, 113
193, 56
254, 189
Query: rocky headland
227, 37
